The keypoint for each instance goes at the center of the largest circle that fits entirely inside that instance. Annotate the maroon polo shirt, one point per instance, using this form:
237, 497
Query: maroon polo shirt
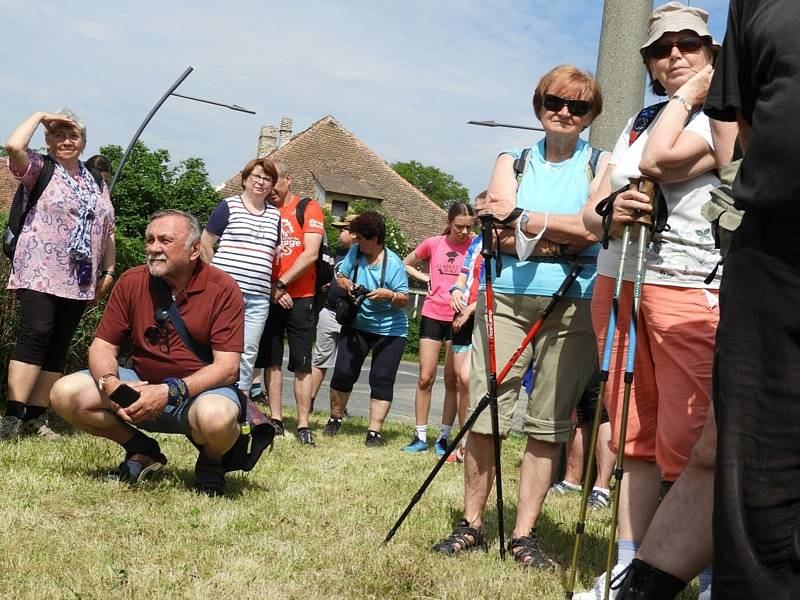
211, 307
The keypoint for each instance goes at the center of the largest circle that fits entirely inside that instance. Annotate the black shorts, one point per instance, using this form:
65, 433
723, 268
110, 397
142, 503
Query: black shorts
588, 403
434, 329
463, 337
47, 325
354, 345
298, 325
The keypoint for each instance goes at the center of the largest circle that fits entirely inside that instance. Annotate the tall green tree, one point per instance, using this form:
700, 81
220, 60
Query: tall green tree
441, 187
150, 182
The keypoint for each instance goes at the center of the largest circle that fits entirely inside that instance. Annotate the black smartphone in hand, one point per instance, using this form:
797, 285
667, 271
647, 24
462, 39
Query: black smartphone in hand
124, 395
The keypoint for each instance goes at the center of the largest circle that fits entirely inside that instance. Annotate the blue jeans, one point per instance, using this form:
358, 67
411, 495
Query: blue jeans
173, 419
256, 309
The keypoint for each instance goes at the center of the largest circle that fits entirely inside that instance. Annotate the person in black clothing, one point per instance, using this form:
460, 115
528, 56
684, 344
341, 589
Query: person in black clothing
756, 380
324, 356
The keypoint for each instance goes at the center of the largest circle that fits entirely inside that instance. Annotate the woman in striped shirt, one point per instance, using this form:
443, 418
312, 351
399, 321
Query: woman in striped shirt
247, 228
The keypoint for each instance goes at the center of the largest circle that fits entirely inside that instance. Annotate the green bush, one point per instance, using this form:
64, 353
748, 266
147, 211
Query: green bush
412, 341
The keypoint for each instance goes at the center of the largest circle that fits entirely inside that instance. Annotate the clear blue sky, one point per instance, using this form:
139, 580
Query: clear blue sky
404, 77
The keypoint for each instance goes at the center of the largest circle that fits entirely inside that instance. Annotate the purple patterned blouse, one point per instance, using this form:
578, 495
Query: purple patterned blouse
41, 260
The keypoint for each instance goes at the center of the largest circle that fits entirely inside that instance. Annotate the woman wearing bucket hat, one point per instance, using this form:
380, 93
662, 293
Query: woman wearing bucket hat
671, 144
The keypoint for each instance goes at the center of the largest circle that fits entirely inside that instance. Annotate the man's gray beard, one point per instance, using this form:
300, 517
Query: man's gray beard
157, 269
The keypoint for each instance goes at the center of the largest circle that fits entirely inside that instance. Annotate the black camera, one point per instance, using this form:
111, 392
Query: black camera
359, 294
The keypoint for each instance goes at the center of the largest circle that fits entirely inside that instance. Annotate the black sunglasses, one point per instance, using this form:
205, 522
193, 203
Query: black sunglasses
576, 108
157, 334
686, 45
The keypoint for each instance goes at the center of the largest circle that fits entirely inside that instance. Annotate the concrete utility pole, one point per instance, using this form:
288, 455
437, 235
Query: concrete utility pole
620, 70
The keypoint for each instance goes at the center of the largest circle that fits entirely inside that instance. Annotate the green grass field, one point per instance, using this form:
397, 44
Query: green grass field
306, 523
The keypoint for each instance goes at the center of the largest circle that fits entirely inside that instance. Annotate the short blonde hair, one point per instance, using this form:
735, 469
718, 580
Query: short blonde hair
571, 81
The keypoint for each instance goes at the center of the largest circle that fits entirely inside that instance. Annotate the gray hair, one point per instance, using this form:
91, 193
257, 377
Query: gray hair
191, 223
71, 114
283, 170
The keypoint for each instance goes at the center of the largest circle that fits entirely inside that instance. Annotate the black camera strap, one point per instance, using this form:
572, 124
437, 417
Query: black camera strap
359, 254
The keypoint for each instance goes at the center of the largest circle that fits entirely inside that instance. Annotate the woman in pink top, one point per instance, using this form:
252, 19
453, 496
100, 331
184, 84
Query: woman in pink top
444, 255
64, 260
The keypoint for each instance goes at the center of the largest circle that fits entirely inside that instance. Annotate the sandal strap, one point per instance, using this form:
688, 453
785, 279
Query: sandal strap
465, 536
526, 547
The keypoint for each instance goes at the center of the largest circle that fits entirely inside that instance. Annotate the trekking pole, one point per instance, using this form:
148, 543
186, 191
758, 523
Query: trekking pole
605, 367
647, 187
491, 372
485, 400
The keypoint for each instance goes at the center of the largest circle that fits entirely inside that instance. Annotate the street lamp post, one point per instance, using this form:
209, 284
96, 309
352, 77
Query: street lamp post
167, 94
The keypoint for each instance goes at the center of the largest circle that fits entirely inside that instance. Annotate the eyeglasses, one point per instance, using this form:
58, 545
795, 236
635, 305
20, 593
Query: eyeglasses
260, 178
157, 334
577, 108
685, 45
60, 136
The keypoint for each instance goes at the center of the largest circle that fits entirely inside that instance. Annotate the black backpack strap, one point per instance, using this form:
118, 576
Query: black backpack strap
520, 164
166, 302
45, 175
300, 211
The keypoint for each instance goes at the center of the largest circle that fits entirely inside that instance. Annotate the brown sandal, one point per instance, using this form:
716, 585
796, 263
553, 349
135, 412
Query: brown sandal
526, 551
463, 539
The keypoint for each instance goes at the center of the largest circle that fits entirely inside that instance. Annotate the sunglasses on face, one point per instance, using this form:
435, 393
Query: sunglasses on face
686, 45
157, 334
577, 108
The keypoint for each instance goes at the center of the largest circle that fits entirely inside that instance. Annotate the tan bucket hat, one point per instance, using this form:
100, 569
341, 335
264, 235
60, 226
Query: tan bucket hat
345, 221
674, 17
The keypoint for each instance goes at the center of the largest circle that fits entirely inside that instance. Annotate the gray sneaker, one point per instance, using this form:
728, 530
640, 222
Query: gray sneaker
599, 499
39, 428
10, 428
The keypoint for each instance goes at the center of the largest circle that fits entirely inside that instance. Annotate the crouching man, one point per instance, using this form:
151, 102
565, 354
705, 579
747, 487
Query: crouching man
177, 391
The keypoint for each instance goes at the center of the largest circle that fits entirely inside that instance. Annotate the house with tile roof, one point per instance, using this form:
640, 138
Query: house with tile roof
330, 164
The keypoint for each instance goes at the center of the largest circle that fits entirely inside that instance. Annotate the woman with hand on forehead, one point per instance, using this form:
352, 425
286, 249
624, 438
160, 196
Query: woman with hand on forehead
64, 259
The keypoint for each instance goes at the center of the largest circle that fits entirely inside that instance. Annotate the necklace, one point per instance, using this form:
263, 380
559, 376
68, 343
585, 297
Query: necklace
252, 212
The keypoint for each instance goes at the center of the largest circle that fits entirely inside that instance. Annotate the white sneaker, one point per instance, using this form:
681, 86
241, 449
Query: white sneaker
596, 593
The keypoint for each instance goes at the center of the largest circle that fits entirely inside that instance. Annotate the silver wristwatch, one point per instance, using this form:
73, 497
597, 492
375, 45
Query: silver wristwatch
523, 221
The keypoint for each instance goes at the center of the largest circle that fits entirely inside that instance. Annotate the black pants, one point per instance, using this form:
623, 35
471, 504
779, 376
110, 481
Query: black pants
46, 329
757, 404
354, 345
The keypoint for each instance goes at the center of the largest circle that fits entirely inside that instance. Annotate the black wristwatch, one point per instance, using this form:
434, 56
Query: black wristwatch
280, 285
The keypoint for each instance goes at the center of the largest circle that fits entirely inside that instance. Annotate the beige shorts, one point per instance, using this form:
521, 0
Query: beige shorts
565, 358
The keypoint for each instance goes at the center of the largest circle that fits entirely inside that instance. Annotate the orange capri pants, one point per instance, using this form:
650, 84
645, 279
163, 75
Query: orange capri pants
671, 387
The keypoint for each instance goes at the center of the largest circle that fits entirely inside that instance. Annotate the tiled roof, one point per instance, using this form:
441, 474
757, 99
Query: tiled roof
338, 184
8, 186
328, 148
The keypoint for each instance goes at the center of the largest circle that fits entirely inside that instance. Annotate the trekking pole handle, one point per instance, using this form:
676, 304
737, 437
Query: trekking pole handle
646, 186
571, 277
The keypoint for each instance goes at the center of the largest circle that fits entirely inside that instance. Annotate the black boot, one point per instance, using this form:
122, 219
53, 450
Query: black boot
645, 582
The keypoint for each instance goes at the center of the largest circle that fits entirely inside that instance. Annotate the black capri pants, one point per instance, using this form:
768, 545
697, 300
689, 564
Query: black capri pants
354, 345
47, 325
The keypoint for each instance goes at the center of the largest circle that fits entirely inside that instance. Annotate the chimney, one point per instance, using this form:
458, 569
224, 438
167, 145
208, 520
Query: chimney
286, 131
267, 141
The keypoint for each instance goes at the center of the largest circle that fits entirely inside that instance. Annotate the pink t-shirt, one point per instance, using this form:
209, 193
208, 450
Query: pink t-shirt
444, 266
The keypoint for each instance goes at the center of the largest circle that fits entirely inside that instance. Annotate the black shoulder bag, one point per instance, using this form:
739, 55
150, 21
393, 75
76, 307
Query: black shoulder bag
256, 432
